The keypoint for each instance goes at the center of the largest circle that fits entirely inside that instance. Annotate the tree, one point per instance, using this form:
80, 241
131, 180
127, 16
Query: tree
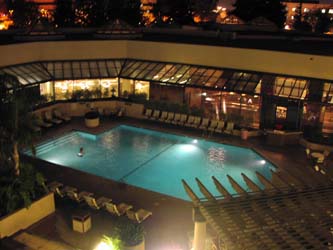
15, 122
86, 13
178, 11
272, 10
19, 183
127, 10
203, 9
64, 13
25, 14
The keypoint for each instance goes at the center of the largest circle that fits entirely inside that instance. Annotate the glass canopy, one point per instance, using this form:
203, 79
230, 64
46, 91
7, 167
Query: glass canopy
161, 72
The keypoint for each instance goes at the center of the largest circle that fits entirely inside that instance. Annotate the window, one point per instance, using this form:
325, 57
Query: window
281, 113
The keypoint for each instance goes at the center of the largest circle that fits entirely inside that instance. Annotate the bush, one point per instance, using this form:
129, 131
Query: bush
20, 191
91, 115
130, 233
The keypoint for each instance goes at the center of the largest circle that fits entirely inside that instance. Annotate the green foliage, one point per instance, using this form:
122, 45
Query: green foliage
139, 98
130, 233
19, 191
25, 13
113, 243
77, 94
64, 14
272, 10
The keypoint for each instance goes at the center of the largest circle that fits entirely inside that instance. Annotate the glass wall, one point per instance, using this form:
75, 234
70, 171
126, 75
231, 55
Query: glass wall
46, 90
126, 87
142, 87
85, 88
109, 87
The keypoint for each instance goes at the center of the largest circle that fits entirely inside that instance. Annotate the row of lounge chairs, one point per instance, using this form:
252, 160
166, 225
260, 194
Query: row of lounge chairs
49, 119
212, 126
100, 203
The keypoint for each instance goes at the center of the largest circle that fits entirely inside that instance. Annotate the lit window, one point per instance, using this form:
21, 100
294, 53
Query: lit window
294, 9
323, 11
306, 10
281, 113
292, 17
330, 11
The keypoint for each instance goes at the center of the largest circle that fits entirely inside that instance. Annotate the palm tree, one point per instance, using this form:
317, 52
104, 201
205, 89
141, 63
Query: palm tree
15, 122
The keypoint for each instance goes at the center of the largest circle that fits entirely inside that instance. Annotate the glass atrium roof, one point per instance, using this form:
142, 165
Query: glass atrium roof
159, 72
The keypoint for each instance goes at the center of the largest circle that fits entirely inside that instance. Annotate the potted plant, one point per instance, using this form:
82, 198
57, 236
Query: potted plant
91, 119
131, 234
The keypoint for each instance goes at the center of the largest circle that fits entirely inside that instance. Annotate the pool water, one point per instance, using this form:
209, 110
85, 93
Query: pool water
154, 160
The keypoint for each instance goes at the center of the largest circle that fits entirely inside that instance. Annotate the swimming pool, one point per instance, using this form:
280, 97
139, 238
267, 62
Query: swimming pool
154, 160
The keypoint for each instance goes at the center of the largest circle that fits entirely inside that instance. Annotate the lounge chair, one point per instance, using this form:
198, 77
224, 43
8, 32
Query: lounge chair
56, 187
220, 127
41, 123
119, 209
96, 204
182, 121
48, 118
176, 119
164, 116
196, 122
204, 123
61, 116
190, 121
148, 113
212, 126
120, 112
230, 128
72, 194
156, 115
170, 117
138, 216
308, 153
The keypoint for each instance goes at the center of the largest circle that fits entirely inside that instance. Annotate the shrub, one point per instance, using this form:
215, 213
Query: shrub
20, 191
91, 115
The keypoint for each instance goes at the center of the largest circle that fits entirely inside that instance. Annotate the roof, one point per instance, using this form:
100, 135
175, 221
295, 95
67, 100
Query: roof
287, 213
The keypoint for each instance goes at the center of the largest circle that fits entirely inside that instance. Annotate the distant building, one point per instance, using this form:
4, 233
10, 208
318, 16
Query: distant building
292, 8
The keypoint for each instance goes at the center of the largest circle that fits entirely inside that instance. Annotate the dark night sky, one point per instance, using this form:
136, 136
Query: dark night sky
228, 3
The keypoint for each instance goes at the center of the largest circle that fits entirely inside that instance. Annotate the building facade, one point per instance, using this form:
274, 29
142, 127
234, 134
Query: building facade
259, 88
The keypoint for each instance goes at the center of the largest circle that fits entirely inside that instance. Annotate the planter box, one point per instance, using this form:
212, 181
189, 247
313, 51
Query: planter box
25, 217
92, 123
140, 246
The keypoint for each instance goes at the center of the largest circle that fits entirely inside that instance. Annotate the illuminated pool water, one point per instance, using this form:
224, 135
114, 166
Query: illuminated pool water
154, 160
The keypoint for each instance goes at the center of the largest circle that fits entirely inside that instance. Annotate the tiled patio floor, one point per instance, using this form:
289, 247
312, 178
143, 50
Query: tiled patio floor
171, 222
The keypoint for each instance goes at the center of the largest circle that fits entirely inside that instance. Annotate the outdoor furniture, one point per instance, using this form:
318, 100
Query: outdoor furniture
170, 118
230, 128
148, 113
138, 216
204, 123
164, 116
119, 209
220, 127
61, 116
41, 123
56, 187
182, 120
176, 119
81, 221
96, 204
156, 115
213, 124
190, 121
72, 194
196, 122
48, 118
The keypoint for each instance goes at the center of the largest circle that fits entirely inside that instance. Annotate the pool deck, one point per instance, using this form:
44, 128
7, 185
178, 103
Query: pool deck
171, 222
